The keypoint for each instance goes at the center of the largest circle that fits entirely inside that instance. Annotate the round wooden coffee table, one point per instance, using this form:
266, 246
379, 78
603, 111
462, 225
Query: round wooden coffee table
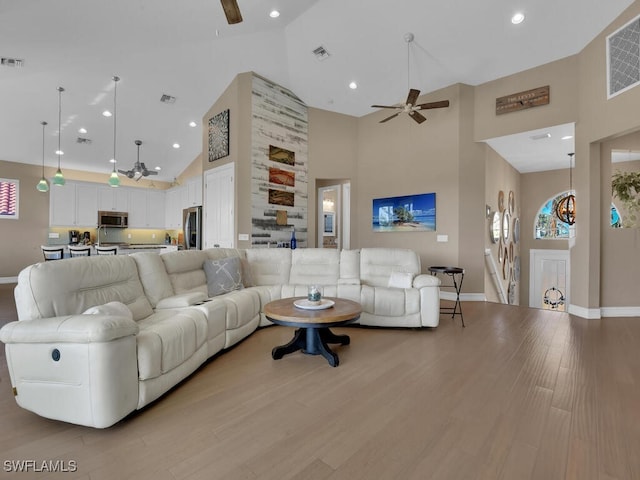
312, 335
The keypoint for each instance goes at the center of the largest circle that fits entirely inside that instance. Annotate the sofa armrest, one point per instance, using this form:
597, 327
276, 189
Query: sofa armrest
181, 301
424, 280
69, 329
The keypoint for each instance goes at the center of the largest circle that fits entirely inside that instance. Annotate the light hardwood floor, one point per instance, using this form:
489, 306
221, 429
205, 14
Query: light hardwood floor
518, 394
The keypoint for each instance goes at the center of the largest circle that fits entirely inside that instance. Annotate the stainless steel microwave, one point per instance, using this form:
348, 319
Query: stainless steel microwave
113, 219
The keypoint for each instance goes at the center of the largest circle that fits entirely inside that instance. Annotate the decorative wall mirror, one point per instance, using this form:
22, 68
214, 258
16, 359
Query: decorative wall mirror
506, 225
500, 201
500, 253
495, 228
516, 230
512, 202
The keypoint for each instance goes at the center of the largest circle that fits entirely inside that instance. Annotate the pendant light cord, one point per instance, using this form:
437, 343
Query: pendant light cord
43, 125
115, 95
60, 90
571, 172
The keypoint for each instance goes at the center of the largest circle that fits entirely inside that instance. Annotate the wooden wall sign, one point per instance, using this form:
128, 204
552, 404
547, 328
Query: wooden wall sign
522, 100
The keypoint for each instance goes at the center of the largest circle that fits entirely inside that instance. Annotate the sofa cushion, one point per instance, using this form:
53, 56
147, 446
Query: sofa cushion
377, 264
167, 339
223, 275
69, 287
269, 266
400, 280
153, 276
112, 308
319, 266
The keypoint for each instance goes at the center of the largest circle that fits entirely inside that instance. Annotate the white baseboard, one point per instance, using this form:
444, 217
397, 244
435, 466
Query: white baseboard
8, 279
464, 297
620, 311
588, 313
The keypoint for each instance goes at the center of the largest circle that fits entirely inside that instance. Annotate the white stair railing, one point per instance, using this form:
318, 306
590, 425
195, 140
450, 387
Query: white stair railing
493, 270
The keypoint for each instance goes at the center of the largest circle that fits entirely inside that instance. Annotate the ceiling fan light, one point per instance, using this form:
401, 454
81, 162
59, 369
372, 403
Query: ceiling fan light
517, 18
274, 13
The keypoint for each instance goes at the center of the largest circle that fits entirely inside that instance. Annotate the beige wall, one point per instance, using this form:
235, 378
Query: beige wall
620, 246
500, 176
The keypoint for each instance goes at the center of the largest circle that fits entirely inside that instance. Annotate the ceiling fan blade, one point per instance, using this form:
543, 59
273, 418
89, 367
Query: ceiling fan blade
426, 106
384, 106
389, 118
413, 96
232, 11
124, 172
418, 117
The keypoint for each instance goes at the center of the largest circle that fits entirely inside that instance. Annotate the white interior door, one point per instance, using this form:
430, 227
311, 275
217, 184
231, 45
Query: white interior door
219, 211
549, 280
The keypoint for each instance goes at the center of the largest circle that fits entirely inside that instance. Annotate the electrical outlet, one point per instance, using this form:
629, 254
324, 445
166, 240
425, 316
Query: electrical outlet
153, 235
442, 238
54, 235
128, 235
243, 236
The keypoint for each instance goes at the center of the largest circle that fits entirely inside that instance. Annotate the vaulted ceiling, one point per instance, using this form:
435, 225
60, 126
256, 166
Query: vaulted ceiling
187, 50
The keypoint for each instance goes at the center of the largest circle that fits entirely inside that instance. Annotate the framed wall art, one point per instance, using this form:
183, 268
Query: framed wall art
410, 213
219, 136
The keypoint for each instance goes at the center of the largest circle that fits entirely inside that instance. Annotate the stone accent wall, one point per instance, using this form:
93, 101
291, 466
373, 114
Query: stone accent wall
279, 156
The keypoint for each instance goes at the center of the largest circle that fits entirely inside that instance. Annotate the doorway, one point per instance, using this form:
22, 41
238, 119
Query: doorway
219, 203
334, 216
549, 280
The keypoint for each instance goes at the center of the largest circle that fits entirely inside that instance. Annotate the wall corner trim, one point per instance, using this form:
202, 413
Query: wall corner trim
588, 313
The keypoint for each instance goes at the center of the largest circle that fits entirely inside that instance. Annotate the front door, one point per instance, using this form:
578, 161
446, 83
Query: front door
549, 280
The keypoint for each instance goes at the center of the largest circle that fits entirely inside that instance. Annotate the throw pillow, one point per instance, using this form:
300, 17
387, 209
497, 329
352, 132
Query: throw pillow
223, 275
111, 308
400, 280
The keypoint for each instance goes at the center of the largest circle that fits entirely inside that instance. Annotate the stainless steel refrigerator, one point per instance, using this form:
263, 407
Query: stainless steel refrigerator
192, 224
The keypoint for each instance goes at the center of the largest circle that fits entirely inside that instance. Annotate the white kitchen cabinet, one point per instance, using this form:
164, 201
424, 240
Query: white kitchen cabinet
146, 208
194, 192
113, 199
173, 208
86, 205
74, 204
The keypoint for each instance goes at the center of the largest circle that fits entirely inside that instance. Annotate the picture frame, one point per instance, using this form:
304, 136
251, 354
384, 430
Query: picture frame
329, 224
219, 136
408, 213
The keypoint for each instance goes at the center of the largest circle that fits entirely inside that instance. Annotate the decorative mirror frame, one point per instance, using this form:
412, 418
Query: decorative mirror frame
500, 201
506, 225
512, 202
495, 227
516, 230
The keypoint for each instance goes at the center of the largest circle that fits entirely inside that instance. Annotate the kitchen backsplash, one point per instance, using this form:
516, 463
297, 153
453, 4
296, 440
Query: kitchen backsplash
114, 235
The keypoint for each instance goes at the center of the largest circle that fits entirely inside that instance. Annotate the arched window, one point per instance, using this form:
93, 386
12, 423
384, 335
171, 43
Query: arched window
548, 225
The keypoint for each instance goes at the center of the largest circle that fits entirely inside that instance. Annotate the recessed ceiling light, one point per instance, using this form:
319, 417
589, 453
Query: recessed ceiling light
274, 14
517, 18
176, 145
113, 160
106, 113
158, 169
567, 137
353, 85
193, 124
82, 130
59, 152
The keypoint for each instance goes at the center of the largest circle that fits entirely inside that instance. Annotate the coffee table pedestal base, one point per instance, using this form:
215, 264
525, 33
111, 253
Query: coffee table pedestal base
313, 341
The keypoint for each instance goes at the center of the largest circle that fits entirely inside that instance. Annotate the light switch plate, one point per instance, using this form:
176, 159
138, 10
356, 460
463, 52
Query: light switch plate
442, 238
243, 237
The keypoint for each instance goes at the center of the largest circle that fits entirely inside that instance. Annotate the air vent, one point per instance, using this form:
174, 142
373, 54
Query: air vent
541, 136
167, 98
86, 141
12, 62
321, 53
623, 58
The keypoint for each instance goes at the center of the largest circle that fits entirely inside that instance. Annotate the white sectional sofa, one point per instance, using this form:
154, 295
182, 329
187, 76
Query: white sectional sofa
76, 354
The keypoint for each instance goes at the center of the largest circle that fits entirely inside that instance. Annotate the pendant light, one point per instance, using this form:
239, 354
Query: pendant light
43, 185
58, 178
566, 208
114, 180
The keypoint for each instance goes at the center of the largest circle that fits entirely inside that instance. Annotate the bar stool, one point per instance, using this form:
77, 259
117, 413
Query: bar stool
52, 253
79, 250
111, 250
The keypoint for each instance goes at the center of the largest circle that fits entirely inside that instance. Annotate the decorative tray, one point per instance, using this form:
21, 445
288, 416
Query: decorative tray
307, 305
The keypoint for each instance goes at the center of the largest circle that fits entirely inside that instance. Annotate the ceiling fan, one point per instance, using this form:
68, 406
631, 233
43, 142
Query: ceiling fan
232, 11
410, 107
139, 170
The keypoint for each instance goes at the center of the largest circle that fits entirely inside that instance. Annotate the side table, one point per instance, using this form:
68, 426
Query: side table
457, 285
